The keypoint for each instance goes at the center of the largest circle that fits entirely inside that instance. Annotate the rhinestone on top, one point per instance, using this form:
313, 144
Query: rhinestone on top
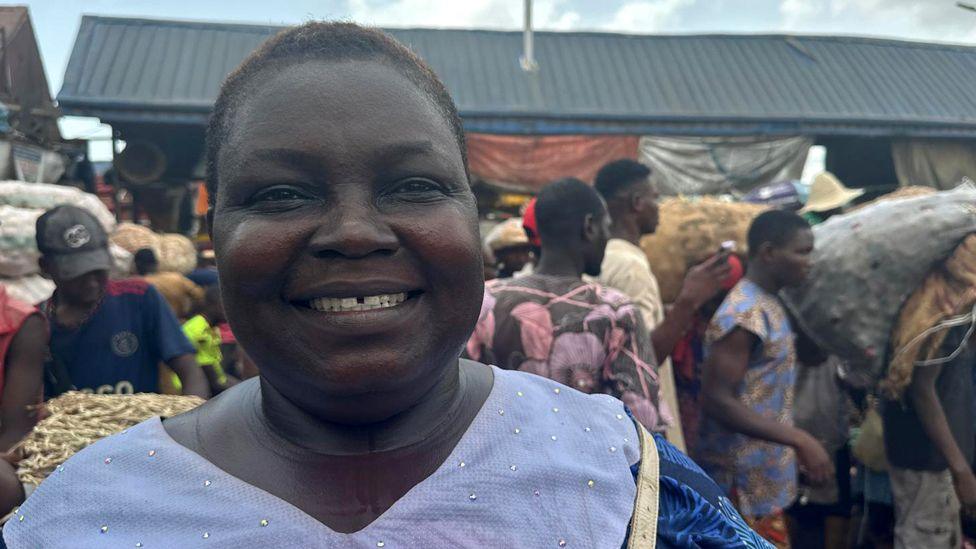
473, 496
380, 544
514, 467
520, 393
264, 522
20, 518
108, 460
620, 416
555, 410
590, 483
536, 493
517, 431
501, 412
207, 483
152, 453
206, 535
462, 465
553, 437
556, 390
613, 449
103, 529
587, 429
562, 543
138, 544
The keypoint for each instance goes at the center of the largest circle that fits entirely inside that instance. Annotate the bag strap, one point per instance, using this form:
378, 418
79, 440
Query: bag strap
643, 526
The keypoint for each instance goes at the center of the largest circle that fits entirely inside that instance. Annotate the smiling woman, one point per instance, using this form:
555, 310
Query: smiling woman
347, 242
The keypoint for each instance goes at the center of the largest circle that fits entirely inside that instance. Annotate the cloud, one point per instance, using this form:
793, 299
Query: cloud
646, 16
499, 14
924, 20
797, 12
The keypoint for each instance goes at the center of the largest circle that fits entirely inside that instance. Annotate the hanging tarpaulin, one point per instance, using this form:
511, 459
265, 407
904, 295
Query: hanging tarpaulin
719, 165
940, 164
529, 162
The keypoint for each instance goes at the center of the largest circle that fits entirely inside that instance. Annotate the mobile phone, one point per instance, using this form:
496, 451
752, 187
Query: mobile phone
727, 247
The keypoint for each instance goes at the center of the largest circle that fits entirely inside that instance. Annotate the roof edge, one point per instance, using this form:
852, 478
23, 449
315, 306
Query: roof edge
241, 25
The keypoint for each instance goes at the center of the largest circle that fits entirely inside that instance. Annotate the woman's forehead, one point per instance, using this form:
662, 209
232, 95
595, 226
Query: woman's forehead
348, 107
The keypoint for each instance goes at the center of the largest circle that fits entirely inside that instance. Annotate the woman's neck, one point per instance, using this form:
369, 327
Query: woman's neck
441, 408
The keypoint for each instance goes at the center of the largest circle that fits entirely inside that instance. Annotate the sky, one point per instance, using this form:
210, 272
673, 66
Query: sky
56, 21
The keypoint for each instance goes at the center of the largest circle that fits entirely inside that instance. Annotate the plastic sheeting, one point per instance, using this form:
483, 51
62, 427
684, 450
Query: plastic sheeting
941, 164
713, 165
867, 263
528, 163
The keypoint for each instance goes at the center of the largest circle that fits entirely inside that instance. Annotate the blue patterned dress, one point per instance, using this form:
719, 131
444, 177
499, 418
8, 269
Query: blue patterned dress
759, 476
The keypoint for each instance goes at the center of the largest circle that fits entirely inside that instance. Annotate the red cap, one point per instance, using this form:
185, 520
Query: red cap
736, 273
530, 225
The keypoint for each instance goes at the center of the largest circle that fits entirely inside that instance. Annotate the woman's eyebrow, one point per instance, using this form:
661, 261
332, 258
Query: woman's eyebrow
286, 157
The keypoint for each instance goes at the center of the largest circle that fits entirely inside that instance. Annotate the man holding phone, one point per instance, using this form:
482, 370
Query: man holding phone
632, 201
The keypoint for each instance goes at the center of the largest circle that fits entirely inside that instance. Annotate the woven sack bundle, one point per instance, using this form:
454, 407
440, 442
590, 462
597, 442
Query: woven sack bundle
132, 238
866, 265
75, 420
690, 231
177, 254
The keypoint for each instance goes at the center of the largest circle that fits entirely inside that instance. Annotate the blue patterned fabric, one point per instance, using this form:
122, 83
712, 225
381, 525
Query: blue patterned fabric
759, 476
693, 510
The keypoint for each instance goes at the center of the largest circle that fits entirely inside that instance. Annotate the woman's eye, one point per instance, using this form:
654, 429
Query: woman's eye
277, 195
418, 186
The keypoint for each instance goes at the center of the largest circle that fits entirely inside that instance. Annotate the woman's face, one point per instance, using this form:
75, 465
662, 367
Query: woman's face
346, 235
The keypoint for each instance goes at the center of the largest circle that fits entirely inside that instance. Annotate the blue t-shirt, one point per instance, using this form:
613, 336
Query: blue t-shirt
118, 350
204, 276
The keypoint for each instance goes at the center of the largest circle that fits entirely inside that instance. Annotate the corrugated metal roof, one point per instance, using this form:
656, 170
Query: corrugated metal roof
139, 70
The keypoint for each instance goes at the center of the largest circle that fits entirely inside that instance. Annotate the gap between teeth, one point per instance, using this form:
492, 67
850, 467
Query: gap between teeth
367, 303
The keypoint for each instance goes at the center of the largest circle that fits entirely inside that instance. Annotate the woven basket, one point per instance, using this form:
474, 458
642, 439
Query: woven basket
75, 420
691, 231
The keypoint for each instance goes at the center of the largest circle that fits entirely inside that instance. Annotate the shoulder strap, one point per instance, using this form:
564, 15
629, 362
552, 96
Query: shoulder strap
643, 526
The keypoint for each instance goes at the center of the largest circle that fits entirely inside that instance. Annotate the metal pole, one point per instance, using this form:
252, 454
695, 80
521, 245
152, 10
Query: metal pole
528, 51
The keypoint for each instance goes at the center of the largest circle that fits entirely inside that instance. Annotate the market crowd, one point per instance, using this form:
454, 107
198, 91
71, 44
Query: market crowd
722, 374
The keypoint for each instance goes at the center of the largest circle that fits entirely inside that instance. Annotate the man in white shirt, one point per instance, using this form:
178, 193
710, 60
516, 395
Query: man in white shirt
632, 201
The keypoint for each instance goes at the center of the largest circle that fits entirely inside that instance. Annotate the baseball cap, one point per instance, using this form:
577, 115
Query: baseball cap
530, 226
74, 241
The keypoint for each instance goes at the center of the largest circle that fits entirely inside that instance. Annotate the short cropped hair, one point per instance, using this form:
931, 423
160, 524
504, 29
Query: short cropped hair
562, 206
777, 227
322, 41
614, 178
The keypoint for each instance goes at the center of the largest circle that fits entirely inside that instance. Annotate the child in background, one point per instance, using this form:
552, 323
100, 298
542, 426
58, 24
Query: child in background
203, 332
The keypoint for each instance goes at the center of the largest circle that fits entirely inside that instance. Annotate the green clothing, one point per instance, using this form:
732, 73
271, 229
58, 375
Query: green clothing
206, 340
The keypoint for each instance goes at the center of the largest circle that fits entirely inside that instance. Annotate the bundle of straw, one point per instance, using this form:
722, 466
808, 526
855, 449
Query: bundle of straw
75, 420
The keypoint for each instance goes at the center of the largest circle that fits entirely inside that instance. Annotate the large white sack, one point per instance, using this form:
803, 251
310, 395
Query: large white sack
44, 196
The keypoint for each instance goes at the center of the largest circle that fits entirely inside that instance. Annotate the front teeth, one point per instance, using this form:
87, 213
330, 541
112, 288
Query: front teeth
368, 303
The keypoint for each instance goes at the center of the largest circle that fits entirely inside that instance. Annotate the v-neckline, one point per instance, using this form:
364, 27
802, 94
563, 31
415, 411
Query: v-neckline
313, 523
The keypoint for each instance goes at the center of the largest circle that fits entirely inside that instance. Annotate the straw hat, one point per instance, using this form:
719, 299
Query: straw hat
828, 193
507, 234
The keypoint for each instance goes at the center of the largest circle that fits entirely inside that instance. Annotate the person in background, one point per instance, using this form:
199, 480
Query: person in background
689, 354
929, 442
206, 272
747, 438
23, 343
488, 257
511, 247
828, 197
107, 336
203, 331
179, 291
632, 201
553, 324
531, 228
